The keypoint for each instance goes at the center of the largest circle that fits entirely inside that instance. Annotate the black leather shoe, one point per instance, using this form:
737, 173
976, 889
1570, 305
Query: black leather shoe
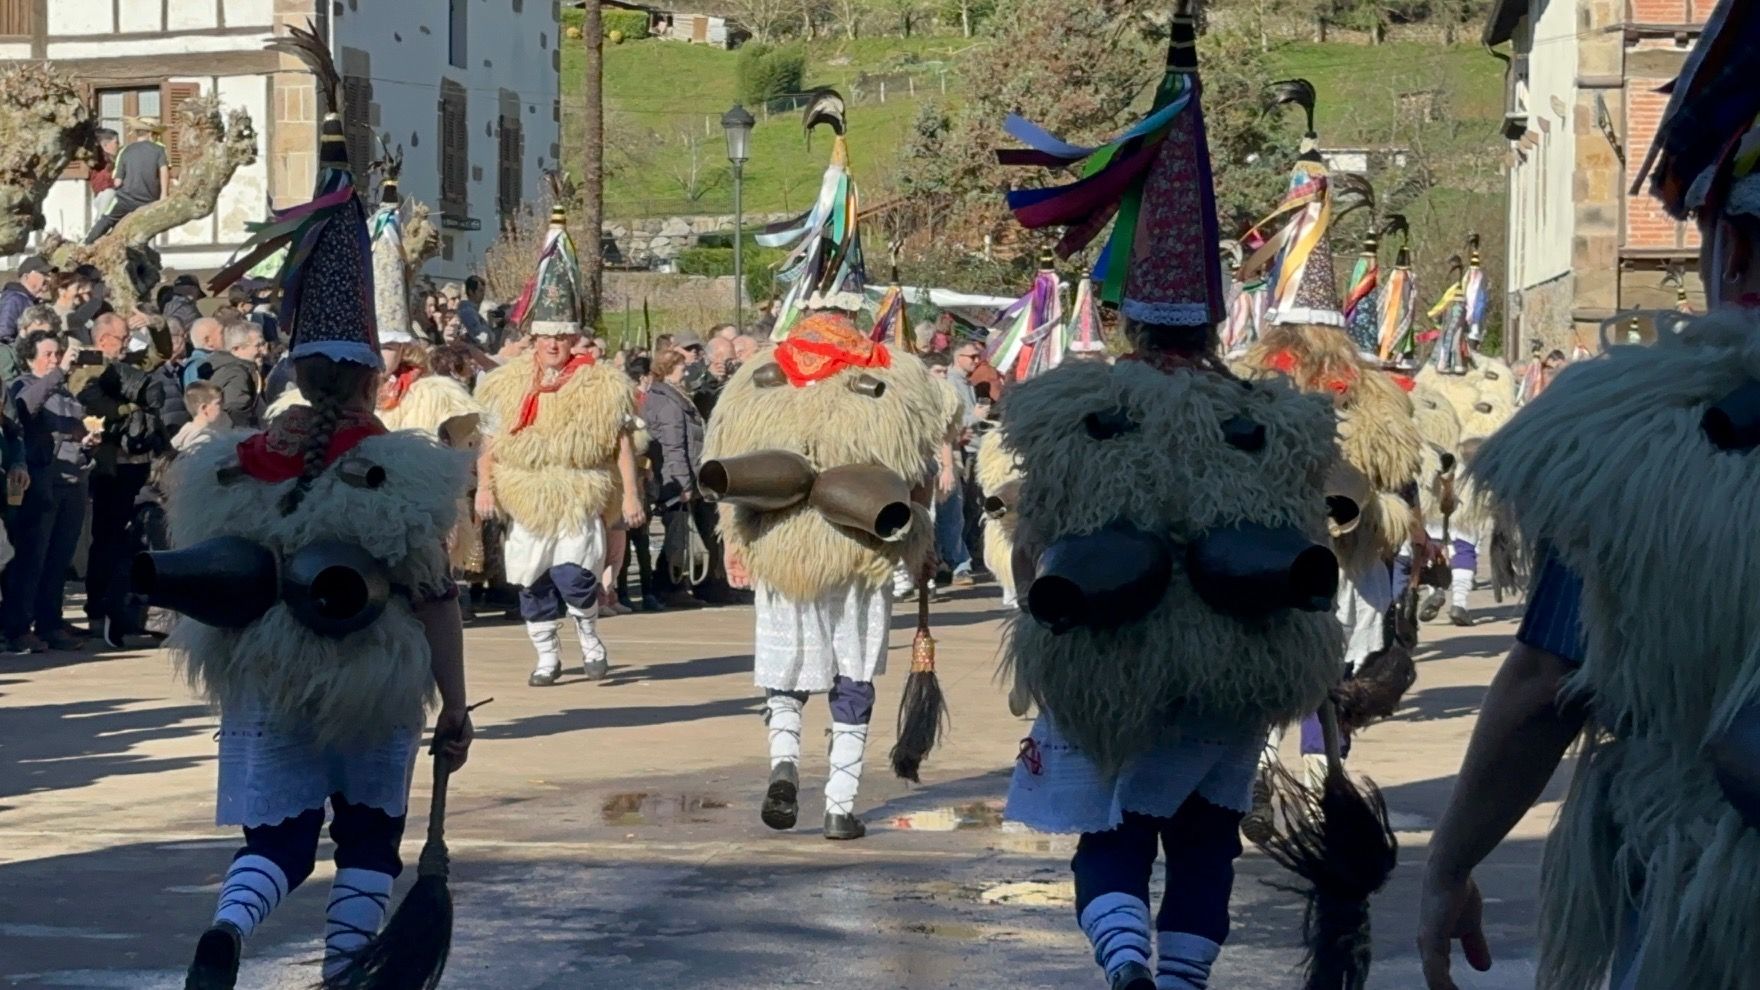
544, 678
844, 827
780, 805
1133, 976
216, 964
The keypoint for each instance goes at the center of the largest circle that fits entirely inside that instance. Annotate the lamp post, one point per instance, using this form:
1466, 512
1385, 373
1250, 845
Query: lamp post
737, 125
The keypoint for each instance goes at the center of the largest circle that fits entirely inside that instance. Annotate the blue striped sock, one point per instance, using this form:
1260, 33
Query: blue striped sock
359, 901
1118, 926
252, 888
1183, 961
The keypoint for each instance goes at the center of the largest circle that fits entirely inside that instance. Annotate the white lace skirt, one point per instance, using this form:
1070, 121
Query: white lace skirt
1056, 788
803, 646
270, 773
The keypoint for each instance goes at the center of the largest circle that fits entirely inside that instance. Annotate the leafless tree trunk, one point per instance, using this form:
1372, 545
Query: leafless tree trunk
965, 18
47, 123
593, 163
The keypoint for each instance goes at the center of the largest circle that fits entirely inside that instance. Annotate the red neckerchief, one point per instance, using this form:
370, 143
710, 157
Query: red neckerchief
278, 453
1285, 362
1406, 383
823, 344
397, 386
528, 407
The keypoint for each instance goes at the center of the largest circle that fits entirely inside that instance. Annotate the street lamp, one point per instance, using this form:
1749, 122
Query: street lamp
737, 125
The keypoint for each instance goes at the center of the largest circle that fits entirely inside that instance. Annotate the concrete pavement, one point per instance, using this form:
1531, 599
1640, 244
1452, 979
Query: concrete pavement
606, 835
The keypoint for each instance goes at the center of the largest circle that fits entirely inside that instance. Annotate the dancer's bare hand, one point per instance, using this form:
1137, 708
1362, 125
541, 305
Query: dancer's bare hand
1450, 909
454, 727
485, 502
736, 571
634, 516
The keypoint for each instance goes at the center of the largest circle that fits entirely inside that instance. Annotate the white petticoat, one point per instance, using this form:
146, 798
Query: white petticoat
803, 646
1057, 789
270, 773
528, 555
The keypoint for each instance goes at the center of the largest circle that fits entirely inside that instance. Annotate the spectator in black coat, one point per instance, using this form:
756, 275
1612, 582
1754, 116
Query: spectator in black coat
31, 287
131, 403
237, 373
44, 529
677, 428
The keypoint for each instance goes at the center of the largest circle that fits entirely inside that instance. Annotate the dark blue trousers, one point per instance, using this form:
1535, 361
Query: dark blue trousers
366, 839
564, 584
1201, 842
45, 533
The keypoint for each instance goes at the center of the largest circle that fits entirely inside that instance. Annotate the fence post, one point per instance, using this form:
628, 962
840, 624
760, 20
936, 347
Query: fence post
943, 82
913, 81
882, 91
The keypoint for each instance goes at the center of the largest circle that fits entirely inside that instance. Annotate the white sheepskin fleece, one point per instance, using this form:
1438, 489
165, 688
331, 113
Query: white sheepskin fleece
559, 473
1114, 692
997, 466
430, 402
1610, 468
797, 551
356, 688
1438, 423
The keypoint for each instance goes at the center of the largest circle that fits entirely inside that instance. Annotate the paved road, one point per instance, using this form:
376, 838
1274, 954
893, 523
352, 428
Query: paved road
606, 835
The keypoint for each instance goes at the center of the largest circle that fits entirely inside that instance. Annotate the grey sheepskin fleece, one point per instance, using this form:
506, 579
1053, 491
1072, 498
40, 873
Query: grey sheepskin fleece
796, 551
1610, 468
1115, 692
358, 688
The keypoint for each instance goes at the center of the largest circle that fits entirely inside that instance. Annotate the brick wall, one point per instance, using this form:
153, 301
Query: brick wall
1670, 11
1647, 225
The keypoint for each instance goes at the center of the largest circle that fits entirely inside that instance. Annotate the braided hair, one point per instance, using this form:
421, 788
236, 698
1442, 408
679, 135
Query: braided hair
331, 388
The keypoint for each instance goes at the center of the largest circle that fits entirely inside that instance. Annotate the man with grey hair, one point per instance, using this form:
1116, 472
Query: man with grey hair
237, 373
206, 338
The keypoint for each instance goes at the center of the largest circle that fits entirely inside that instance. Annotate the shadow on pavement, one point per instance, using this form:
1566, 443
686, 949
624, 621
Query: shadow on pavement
580, 719
37, 753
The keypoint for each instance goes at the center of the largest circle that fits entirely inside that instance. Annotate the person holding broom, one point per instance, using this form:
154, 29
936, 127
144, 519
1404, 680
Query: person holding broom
319, 611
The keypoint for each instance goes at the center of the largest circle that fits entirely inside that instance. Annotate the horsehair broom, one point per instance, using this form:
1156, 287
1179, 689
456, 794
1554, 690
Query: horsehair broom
1341, 847
410, 952
922, 715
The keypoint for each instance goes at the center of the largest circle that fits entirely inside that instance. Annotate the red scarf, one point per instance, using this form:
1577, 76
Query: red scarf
824, 344
528, 407
397, 386
278, 453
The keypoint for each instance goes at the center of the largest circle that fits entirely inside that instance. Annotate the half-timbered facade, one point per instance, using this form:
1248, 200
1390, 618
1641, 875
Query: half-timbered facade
468, 88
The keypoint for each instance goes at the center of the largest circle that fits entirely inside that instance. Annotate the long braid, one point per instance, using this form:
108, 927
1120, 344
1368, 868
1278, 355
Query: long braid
326, 413
328, 386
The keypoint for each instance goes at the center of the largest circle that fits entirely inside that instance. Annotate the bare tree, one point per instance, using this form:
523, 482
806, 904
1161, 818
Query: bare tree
593, 162
44, 124
763, 18
849, 14
213, 151
695, 174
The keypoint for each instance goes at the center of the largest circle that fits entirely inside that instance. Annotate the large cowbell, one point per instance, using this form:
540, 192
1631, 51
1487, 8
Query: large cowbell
331, 587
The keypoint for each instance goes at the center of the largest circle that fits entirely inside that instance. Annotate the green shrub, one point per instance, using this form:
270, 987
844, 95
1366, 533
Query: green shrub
717, 261
764, 73
633, 23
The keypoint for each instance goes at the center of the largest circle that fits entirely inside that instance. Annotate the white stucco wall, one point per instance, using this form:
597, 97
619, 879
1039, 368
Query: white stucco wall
1542, 218
408, 44
95, 17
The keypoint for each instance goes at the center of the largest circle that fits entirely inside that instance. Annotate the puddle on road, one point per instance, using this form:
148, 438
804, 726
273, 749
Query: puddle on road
956, 818
646, 808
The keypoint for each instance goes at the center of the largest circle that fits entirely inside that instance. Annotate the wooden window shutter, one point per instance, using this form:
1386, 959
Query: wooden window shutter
512, 174
455, 149
357, 125
17, 18
174, 96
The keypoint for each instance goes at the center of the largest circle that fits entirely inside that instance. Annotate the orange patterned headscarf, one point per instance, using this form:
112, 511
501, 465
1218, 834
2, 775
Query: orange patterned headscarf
823, 344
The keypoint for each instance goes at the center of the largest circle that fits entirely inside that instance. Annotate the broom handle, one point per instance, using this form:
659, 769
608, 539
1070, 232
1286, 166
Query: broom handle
923, 608
437, 805
1330, 733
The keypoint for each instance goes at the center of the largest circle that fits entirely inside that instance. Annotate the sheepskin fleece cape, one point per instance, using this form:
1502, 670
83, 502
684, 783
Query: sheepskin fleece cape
997, 466
1438, 423
1488, 380
431, 401
559, 474
796, 551
1114, 692
351, 690
1377, 433
1610, 468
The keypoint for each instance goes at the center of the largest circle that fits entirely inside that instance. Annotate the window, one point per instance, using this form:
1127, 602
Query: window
456, 27
510, 156
16, 20
455, 152
359, 115
115, 106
